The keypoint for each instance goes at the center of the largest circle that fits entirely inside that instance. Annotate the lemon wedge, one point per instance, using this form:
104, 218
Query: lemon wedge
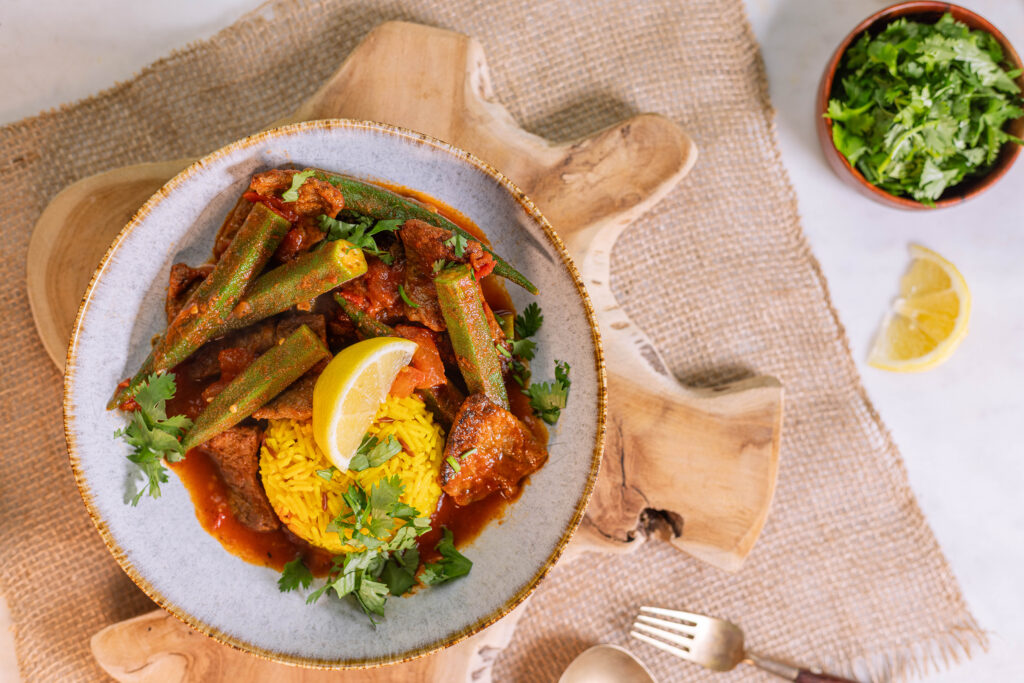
928, 319
349, 391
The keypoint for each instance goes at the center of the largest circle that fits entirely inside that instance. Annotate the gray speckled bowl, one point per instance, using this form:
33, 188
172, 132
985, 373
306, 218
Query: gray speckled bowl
160, 543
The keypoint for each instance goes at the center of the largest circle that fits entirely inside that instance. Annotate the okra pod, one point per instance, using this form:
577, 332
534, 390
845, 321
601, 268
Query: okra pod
443, 400
381, 204
462, 305
303, 279
210, 307
365, 324
265, 378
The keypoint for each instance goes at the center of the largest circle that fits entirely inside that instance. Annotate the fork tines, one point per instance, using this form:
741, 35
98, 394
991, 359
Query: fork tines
681, 630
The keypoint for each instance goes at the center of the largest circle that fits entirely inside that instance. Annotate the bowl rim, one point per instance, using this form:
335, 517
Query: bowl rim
599, 365
842, 166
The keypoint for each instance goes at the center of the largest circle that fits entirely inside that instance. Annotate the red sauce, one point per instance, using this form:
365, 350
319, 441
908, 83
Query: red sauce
201, 477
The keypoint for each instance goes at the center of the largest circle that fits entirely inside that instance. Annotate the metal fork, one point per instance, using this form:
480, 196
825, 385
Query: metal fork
713, 643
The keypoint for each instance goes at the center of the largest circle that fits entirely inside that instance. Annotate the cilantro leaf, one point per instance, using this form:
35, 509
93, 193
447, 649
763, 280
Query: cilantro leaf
374, 453
328, 473
453, 564
458, 243
405, 297
153, 436
361, 233
294, 574
524, 348
292, 193
549, 398
529, 321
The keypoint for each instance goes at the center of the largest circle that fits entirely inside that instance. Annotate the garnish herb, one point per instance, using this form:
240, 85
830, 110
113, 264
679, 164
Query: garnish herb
377, 567
468, 453
458, 244
294, 574
921, 107
439, 265
373, 453
405, 297
524, 348
453, 564
529, 321
548, 398
328, 473
292, 193
154, 437
361, 233
502, 350
454, 463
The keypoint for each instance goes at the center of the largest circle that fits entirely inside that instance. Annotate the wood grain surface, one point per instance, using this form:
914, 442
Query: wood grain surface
668, 446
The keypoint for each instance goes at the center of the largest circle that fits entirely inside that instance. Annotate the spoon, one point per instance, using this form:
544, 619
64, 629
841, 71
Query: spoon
606, 664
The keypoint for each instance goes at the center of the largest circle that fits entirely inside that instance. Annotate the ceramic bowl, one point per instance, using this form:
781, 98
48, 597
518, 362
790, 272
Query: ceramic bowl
925, 12
161, 545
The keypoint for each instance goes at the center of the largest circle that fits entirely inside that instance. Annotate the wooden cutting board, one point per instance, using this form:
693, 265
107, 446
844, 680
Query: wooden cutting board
704, 461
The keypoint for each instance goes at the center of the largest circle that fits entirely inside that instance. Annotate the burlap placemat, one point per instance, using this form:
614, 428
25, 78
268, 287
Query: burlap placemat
847, 571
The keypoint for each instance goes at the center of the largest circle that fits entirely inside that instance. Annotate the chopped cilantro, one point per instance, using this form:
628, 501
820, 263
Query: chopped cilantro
377, 567
154, 437
328, 473
292, 193
439, 265
405, 297
500, 346
361, 233
373, 453
453, 564
524, 348
920, 107
466, 454
548, 398
529, 321
458, 243
294, 574
454, 463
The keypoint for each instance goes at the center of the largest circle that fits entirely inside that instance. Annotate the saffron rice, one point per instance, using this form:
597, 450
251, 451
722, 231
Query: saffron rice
307, 502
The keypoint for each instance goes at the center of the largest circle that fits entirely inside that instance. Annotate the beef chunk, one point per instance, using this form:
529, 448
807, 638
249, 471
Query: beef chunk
315, 196
505, 452
255, 339
295, 402
183, 282
236, 453
376, 292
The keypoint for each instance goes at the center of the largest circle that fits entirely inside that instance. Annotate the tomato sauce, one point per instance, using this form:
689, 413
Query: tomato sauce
210, 496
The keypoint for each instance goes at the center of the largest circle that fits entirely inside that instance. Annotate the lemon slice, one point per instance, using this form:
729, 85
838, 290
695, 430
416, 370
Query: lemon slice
349, 391
929, 318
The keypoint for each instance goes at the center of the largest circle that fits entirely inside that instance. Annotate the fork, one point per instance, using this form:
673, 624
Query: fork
713, 643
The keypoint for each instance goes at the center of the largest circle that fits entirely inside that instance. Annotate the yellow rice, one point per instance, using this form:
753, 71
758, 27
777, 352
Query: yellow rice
290, 458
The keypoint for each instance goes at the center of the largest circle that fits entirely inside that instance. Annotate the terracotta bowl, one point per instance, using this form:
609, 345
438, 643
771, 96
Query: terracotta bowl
161, 545
925, 12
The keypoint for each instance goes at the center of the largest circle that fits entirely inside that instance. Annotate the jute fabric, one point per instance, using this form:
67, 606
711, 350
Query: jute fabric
847, 573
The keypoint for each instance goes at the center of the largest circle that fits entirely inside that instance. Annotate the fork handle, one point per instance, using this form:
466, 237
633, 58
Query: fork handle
791, 673
808, 676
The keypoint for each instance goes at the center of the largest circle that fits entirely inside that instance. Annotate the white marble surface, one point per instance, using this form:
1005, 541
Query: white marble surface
956, 426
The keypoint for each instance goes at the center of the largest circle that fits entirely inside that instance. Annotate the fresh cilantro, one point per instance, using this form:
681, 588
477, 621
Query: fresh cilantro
294, 574
405, 297
548, 398
919, 108
529, 321
373, 453
328, 473
453, 564
454, 463
361, 234
458, 243
154, 437
292, 193
439, 265
524, 348
376, 567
